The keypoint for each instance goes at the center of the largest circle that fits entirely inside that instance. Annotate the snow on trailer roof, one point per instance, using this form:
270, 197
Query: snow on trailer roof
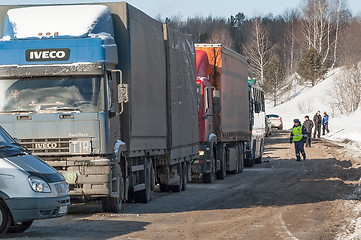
65, 20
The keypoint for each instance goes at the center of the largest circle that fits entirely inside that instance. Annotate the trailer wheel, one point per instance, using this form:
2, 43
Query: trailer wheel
184, 176
145, 195
178, 188
20, 227
5, 218
221, 174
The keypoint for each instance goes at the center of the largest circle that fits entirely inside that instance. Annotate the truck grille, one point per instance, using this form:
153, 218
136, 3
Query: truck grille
48, 146
58, 146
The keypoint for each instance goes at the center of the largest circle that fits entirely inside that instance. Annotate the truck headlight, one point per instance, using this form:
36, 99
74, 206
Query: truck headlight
39, 185
201, 153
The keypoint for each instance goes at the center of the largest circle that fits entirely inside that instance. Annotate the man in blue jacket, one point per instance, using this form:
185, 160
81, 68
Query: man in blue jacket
325, 123
298, 135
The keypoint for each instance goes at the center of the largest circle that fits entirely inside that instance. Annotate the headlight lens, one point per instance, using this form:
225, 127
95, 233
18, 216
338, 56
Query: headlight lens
201, 153
39, 185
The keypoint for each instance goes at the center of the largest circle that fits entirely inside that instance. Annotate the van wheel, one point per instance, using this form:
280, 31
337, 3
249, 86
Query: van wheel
20, 227
4, 218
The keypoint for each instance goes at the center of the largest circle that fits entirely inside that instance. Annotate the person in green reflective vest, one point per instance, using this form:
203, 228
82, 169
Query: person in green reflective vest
298, 135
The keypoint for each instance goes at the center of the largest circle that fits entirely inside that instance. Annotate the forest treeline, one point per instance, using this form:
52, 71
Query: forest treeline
318, 36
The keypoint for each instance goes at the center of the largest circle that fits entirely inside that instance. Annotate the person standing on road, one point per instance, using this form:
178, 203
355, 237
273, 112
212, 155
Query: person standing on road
298, 134
317, 120
325, 123
308, 125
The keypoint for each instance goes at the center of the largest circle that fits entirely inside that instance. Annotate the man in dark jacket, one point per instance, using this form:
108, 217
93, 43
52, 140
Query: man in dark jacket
317, 120
308, 125
298, 135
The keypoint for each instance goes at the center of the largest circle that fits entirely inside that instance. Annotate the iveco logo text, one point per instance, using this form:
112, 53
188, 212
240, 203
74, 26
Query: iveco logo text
46, 145
41, 55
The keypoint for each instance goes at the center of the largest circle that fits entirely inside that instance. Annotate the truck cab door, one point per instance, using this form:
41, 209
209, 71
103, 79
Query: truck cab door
113, 109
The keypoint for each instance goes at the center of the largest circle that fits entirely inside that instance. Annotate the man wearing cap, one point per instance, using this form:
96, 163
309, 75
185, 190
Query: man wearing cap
308, 125
298, 135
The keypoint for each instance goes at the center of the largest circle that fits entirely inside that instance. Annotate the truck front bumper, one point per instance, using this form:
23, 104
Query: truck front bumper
27, 209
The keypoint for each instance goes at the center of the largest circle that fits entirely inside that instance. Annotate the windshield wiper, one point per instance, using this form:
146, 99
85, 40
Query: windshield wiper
17, 111
17, 154
5, 146
64, 109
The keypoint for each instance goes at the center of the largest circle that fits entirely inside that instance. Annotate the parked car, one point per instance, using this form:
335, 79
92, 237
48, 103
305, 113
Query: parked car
268, 127
30, 189
276, 121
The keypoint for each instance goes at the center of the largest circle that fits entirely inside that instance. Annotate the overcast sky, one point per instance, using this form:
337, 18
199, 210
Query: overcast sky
190, 8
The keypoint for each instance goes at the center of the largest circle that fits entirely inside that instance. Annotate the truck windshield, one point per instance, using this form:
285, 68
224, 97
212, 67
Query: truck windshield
52, 94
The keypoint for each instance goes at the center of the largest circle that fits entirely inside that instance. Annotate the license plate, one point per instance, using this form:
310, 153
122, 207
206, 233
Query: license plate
63, 210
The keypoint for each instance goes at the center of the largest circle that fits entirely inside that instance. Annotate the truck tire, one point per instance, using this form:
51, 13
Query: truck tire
178, 188
163, 187
208, 177
184, 176
251, 161
145, 195
20, 227
221, 174
5, 218
241, 157
115, 204
259, 159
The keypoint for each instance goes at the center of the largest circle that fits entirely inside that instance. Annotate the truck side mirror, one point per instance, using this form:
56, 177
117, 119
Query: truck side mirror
122, 91
216, 101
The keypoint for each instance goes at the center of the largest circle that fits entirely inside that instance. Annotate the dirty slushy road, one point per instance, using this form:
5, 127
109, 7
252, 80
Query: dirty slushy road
278, 199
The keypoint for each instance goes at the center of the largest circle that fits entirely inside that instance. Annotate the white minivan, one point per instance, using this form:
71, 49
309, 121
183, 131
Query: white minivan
30, 189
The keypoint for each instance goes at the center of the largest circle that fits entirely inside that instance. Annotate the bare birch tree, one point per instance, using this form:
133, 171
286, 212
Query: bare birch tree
323, 21
346, 94
258, 50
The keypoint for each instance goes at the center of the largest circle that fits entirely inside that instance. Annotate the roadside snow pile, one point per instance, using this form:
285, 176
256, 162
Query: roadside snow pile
353, 230
343, 129
75, 20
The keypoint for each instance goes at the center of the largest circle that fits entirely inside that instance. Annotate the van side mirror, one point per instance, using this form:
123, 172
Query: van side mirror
216, 101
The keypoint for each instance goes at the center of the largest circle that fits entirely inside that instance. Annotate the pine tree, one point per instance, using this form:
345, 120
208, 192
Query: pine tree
311, 67
274, 78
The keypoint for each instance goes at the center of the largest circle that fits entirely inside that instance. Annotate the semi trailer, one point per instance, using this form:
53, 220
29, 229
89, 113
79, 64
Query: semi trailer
103, 93
223, 111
